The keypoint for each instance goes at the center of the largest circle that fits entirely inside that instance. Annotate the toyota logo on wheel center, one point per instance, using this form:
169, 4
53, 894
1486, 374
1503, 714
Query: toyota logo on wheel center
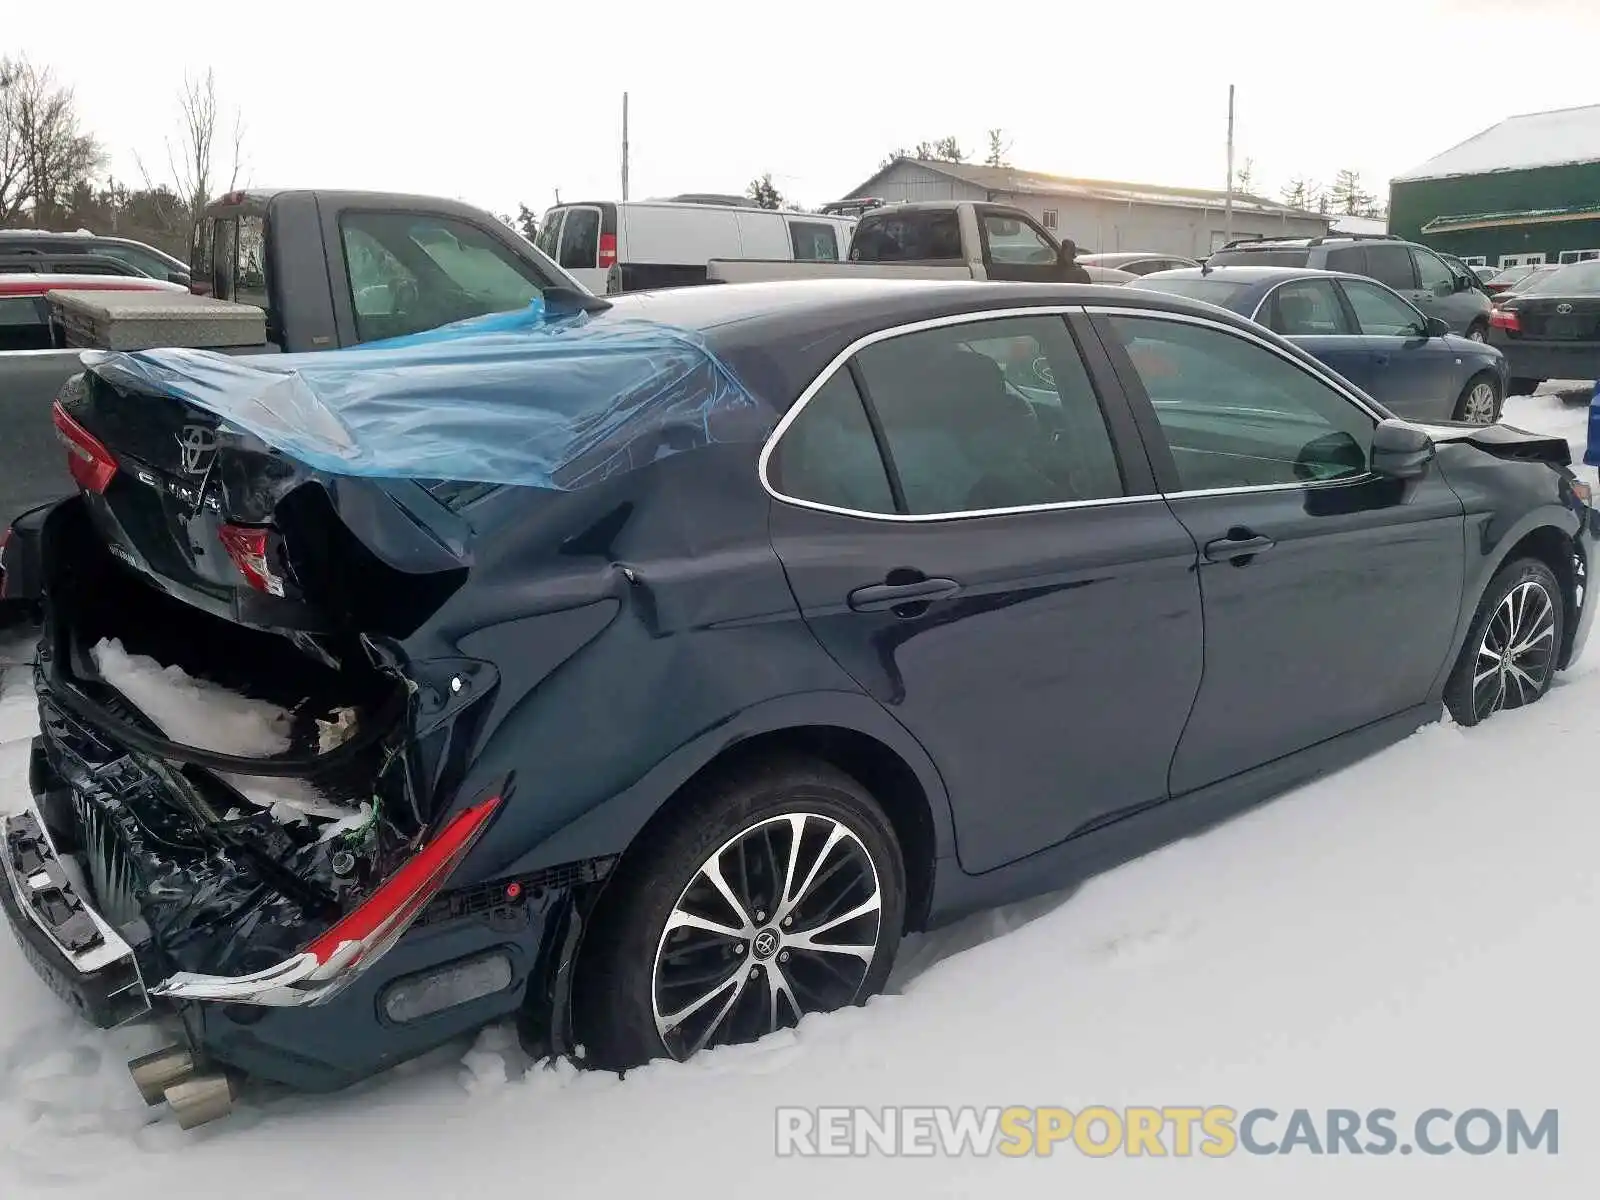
765, 944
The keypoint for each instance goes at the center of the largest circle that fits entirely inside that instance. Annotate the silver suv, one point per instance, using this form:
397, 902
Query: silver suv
1440, 290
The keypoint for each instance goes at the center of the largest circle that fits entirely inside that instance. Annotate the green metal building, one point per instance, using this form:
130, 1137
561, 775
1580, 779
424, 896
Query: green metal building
1524, 191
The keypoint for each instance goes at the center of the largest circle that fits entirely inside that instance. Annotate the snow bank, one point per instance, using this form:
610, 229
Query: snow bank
210, 717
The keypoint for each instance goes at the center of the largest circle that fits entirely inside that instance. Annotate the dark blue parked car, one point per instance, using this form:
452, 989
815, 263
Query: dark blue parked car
675, 659
1370, 334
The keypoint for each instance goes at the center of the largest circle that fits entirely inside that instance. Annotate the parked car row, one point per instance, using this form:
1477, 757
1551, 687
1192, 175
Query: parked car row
1410, 363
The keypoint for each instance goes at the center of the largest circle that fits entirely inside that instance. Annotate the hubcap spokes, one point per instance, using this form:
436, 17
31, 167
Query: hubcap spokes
782, 920
1517, 652
1480, 404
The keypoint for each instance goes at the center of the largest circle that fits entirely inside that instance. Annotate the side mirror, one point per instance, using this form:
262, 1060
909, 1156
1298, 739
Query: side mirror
1435, 327
1401, 451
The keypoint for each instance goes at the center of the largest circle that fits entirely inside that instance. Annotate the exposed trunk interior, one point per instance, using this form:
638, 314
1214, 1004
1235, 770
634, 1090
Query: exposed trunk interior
93, 597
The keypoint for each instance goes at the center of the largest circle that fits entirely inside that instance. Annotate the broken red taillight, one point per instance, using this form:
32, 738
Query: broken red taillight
91, 464
608, 250
357, 940
247, 547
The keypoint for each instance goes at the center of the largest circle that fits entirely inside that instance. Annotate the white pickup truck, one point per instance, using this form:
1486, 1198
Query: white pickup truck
933, 240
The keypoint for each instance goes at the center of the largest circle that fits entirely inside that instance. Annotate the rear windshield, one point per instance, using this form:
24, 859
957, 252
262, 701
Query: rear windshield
1579, 279
1220, 292
907, 237
1288, 256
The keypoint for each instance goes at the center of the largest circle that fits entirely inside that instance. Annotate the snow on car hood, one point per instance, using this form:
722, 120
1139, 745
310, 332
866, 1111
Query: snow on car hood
511, 398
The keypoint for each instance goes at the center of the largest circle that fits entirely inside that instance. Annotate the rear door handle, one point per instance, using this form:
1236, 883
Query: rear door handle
1231, 549
878, 596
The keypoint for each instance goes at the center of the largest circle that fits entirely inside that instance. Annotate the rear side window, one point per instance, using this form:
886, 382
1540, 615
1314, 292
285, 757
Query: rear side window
813, 241
250, 272
987, 415
1307, 308
1350, 259
580, 239
907, 237
829, 455
1391, 265
24, 324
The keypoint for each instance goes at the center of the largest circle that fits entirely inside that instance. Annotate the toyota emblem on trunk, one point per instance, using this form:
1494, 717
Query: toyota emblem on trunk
197, 444
1563, 308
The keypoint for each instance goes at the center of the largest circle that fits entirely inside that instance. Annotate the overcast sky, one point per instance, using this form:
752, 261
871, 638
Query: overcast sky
500, 102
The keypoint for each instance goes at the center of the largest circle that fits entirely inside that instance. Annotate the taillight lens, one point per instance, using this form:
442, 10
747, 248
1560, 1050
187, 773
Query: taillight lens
608, 249
386, 914
1505, 318
247, 547
91, 464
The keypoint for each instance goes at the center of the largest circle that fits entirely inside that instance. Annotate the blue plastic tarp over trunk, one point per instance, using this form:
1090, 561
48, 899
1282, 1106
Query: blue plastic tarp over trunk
511, 398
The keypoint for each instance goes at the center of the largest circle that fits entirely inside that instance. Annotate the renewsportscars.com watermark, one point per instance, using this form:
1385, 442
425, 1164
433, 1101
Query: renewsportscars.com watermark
1208, 1132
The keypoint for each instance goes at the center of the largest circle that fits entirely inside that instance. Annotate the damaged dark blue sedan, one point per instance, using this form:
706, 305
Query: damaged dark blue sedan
669, 659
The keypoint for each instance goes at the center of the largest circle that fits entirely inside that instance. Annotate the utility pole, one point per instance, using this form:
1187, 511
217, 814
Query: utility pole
1227, 217
624, 146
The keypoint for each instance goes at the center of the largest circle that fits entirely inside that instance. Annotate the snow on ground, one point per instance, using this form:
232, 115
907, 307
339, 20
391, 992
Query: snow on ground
1417, 931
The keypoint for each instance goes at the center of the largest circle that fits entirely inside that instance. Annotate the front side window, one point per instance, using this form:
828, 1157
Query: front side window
411, 272
1015, 242
1306, 308
1380, 313
989, 415
1238, 415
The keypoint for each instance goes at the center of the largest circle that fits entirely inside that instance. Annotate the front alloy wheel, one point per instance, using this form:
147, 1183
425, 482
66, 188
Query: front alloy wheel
1514, 645
1517, 654
781, 920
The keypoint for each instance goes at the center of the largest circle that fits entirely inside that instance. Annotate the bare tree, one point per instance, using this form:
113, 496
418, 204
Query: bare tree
44, 154
998, 149
197, 164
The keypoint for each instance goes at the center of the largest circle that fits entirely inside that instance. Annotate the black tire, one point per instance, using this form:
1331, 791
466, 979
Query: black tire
1478, 331
615, 992
1521, 385
1536, 669
1478, 381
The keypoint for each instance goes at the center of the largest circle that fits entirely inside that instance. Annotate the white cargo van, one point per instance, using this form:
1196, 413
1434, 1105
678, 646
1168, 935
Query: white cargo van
630, 246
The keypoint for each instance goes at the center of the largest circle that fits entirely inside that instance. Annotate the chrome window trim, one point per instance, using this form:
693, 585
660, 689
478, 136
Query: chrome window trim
1057, 310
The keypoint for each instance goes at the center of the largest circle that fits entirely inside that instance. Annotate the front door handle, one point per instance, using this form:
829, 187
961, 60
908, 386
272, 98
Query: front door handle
879, 596
1233, 549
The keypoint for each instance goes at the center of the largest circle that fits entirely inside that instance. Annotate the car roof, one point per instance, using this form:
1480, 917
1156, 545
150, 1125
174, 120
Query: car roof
1252, 274
778, 336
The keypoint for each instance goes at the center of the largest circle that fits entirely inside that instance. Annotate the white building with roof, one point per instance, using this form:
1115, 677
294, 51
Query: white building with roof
1101, 216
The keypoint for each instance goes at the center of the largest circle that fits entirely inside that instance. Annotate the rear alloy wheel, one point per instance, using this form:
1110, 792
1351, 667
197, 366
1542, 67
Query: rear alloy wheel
1511, 651
1478, 333
1480, 401
777, 894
